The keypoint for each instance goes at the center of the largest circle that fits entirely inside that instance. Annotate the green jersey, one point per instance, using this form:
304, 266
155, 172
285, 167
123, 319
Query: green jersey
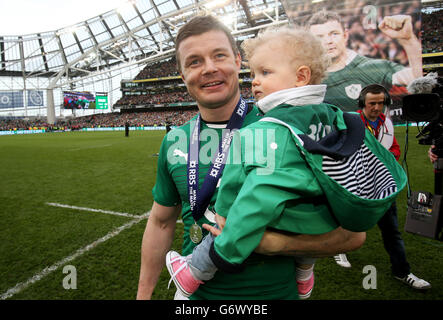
344, 85
276, 184
171, 184
264, 277
281, 192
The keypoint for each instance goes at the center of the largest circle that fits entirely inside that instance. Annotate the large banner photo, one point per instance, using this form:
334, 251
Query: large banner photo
368, 42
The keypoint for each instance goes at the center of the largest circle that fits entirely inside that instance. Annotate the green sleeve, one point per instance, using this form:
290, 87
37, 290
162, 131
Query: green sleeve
286, 197
261, 200
387, 69
254, 193
165, 191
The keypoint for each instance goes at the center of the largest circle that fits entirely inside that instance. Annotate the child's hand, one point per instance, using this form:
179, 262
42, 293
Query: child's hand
221, 221
215, 232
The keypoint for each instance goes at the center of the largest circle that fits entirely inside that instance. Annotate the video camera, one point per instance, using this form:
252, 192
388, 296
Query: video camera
424, 104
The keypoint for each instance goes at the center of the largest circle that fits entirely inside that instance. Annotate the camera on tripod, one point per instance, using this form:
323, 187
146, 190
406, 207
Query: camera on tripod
425, 216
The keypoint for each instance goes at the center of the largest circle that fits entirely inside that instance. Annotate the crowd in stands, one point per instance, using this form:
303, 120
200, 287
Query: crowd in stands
153, 99
159, 69
166, 98
138, 119
21, 124
432, 28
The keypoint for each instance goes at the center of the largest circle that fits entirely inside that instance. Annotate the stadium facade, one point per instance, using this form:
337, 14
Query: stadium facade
95, 55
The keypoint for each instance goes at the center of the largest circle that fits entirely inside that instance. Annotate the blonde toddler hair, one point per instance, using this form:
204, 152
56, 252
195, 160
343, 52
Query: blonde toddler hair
301, 45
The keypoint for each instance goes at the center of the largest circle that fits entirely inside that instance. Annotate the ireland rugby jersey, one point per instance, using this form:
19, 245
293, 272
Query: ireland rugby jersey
171, 185
264, 277
344, 85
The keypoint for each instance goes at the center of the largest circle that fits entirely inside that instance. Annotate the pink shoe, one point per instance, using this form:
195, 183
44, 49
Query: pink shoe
305, 287
181, 275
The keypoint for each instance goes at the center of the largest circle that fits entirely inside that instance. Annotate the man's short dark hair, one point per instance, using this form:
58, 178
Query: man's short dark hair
199, 25
324, 16
374, 89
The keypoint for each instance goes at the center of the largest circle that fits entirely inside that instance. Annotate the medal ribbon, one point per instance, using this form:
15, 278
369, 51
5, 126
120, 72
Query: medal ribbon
199, 198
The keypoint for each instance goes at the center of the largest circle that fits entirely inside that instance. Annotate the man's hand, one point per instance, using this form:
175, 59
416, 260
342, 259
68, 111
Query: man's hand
432, 156
400, 27
397, 27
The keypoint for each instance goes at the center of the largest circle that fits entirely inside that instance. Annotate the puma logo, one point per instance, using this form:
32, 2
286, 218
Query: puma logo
180, 153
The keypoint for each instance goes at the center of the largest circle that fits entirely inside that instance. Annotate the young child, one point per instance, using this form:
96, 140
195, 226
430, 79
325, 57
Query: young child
288, 66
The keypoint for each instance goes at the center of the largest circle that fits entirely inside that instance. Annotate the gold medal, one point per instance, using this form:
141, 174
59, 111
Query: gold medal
195, 233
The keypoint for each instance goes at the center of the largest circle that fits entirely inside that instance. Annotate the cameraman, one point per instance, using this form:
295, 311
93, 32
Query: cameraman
371, 102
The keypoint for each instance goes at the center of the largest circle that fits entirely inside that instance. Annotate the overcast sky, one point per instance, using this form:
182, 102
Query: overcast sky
20, 17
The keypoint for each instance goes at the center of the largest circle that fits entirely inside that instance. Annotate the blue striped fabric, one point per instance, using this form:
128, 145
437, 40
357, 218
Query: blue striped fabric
362, 174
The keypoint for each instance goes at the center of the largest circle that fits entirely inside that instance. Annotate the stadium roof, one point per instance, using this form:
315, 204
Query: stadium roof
139, 33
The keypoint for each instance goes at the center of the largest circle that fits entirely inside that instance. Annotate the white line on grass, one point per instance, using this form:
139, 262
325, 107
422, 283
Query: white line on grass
91, 147
23, 285
60, 205
123, 214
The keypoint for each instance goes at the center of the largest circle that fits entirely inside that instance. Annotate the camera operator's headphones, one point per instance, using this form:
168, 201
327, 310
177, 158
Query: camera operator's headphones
373, 88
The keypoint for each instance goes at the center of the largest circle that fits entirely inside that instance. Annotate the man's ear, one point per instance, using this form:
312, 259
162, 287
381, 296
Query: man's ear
346, 35
238, 60
303, 75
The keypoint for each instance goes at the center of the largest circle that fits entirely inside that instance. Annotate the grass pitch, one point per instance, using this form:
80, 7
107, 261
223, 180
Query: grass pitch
115, 174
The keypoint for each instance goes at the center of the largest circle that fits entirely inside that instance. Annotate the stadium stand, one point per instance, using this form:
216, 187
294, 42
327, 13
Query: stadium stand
159, 84
432, 28
159, 69
138, 119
